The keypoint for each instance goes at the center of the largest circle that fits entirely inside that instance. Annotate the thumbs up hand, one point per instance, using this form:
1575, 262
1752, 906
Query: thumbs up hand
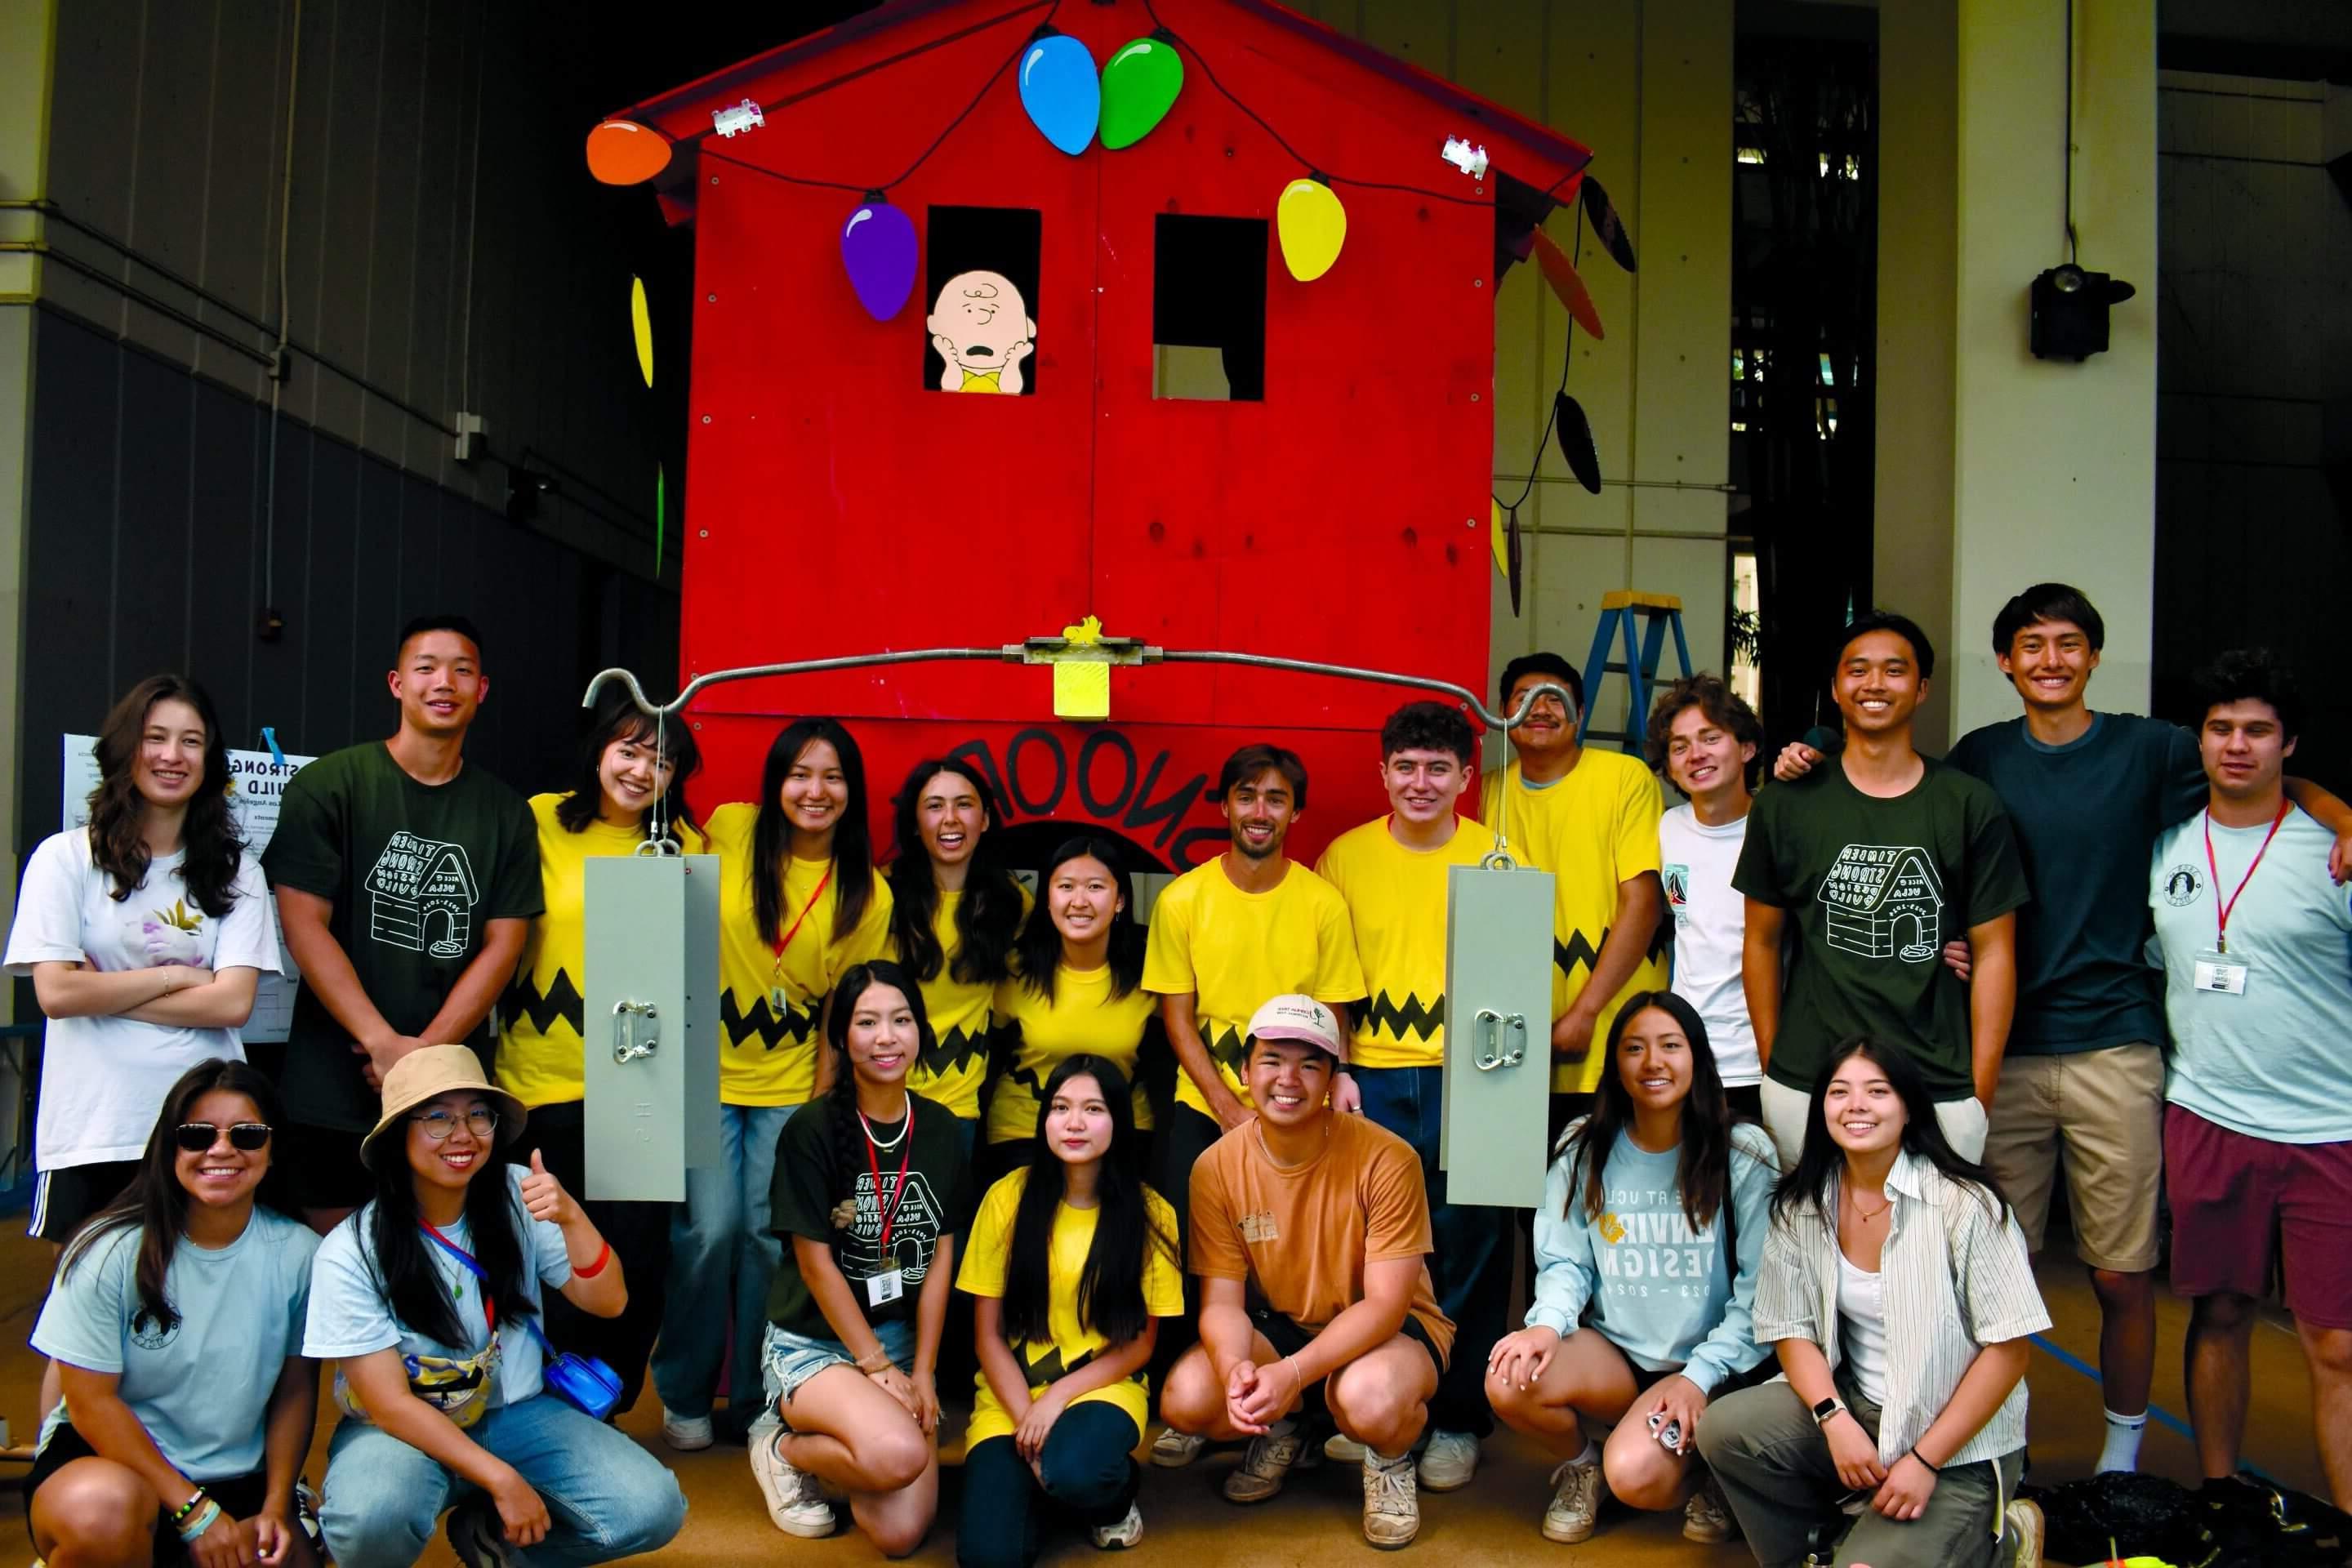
544, 1196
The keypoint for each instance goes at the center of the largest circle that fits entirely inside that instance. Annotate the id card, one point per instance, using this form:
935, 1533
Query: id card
779, 1003
884, 1289
2221, 973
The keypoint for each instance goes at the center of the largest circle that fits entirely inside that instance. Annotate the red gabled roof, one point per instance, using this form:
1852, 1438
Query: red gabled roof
1547, 157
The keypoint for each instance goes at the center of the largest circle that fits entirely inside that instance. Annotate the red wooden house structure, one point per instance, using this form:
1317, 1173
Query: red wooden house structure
1322, 494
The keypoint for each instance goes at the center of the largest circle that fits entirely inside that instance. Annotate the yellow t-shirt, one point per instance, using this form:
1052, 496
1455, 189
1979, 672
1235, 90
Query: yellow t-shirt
1396, 902
1591, 831
768, 1059
962, 1017
539, 1015
1233, 951
980, 1272
1082, 1017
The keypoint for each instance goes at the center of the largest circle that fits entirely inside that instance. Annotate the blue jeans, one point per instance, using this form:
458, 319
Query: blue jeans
1471, 1268
722, 1258
1083, 1471
605, 1497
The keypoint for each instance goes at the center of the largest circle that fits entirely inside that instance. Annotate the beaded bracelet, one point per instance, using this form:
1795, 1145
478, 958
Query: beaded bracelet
196, 1500
202, 1522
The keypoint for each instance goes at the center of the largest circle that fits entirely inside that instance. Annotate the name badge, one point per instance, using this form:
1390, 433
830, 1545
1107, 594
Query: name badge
778, 1002
883, 1289
2219, 972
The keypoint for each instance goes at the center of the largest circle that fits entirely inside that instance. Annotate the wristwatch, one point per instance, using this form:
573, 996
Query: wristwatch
1828, 1408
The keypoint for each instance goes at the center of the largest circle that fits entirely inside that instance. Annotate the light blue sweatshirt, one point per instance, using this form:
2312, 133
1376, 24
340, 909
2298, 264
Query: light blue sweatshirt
1656, 1289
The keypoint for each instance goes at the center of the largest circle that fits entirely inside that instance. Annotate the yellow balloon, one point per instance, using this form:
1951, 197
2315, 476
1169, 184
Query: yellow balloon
1312, 225
641, 324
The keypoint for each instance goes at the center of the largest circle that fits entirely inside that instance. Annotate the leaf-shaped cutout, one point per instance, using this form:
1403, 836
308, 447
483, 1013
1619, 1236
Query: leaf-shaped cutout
1574, 433
1601, 214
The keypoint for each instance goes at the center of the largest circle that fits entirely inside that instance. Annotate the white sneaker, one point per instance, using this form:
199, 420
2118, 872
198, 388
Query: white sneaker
686, 1433
1449, 1461
1343, 1449
2024, 1521
1575, 1502
1391, 1503
1707, 1518
794, 1504
1120, 1536
1173, 1450
1266, 1467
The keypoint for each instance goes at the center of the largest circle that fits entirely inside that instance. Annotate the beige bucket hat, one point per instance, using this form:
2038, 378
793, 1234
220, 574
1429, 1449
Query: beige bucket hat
436, 1070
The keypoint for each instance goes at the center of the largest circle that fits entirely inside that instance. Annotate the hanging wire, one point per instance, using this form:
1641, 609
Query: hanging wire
1568, 353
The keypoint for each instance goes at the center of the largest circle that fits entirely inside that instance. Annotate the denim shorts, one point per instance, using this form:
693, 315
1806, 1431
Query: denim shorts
788, 1360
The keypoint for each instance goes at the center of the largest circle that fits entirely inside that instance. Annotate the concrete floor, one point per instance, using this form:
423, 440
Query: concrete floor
1316, 1522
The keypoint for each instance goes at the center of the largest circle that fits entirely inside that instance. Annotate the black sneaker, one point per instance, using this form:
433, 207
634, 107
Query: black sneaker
478, 1537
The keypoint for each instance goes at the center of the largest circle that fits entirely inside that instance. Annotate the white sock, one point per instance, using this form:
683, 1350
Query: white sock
1590, 1456
2121, 1450
1386, 1461
1282, 1428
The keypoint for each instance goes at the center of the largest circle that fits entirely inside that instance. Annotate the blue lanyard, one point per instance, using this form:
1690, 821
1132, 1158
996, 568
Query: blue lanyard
489, 1308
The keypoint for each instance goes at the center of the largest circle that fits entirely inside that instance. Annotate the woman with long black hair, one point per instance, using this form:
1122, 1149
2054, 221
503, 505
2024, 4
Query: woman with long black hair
1896, 1293
1646, 1253
177, 1328
145, 934
872, 1191
1072, 1263
1077, 985
428, 1296
628, 776
954, 912
799, 905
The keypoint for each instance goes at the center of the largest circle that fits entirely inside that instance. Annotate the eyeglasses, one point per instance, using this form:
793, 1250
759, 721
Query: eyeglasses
481, 1122
196, 1137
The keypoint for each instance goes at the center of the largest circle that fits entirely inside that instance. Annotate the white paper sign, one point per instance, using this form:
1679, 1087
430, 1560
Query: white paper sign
259, 780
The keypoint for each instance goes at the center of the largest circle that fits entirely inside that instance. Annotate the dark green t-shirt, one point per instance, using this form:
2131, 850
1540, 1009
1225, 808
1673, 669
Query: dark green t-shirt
1874, 889
819, 1168
417, 872
2087, 814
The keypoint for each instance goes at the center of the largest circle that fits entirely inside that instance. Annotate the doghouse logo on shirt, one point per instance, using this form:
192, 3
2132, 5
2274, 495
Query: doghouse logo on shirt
914, 1228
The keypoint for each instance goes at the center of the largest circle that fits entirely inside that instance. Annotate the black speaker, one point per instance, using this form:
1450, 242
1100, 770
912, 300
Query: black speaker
2070, 312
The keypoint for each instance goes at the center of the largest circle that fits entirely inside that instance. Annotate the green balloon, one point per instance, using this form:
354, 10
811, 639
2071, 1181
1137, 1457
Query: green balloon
1139, 84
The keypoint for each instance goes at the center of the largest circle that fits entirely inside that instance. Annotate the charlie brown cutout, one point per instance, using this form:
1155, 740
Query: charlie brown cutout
981, 327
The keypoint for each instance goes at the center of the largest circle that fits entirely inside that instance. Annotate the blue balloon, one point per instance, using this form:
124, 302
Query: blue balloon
1062, 91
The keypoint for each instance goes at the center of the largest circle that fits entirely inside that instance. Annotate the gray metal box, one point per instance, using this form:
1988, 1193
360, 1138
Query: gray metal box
1497, 1035
650, 1024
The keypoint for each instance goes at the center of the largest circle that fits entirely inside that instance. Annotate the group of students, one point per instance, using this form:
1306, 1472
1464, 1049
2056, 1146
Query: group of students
1900, 967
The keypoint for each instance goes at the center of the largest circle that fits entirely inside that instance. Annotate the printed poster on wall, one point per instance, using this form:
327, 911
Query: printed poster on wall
256, 779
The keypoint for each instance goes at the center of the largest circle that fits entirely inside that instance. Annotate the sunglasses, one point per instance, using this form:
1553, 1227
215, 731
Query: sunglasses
195, 1137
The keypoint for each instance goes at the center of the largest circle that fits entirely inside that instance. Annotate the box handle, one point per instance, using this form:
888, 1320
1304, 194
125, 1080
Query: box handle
635, 1031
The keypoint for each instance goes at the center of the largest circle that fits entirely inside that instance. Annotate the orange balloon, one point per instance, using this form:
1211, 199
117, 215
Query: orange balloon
623, 153
1560, 273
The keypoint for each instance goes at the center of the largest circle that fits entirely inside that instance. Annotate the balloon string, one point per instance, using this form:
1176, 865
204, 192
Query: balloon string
1568, 353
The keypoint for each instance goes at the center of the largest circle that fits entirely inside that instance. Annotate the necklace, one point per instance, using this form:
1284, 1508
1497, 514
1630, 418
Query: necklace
1863, 1213
905, 1127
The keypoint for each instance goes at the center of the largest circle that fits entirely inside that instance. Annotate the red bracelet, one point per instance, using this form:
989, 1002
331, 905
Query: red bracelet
593, 1269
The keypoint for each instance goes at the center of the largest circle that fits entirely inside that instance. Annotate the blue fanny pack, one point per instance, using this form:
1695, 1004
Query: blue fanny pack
582, 1381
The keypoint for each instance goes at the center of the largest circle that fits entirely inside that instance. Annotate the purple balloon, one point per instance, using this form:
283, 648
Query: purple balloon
878, 247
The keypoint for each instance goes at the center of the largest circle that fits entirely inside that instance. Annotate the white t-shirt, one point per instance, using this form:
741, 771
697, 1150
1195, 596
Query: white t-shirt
1862, 1328
104, 1079
1695, 862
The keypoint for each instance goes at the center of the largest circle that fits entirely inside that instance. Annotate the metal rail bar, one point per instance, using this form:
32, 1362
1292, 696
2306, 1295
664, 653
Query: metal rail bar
1020, 653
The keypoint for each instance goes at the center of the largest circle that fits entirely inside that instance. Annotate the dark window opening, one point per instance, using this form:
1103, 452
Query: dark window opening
980, 299
1208, 308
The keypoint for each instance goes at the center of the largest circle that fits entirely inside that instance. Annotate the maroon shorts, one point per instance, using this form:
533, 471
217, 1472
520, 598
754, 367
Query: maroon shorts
2242, 1205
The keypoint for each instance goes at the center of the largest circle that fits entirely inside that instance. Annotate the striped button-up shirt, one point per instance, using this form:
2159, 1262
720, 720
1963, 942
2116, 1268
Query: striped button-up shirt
1955, 1280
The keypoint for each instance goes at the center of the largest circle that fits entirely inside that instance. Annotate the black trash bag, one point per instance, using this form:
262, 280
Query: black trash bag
2139, 1515
2257, 1524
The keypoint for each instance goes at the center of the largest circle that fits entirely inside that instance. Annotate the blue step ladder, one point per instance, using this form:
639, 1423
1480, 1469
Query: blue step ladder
1618, 610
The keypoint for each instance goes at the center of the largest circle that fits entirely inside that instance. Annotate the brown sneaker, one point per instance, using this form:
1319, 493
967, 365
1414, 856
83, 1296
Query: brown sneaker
1391, 1502
1707, 1518
1266, 1466
1575, 1502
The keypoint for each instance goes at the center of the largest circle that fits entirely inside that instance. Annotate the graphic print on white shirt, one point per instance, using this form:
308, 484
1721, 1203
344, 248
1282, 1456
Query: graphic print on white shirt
1885, 900
421, 895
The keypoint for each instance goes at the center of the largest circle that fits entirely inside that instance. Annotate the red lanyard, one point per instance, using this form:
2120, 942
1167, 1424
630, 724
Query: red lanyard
2222, 934
890, 1209
822, 883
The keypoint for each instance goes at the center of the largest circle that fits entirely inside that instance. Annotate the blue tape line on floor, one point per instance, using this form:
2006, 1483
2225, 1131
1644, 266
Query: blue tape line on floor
2155, 1413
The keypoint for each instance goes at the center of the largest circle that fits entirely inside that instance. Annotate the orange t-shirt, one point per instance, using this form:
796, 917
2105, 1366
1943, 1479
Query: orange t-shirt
1304, 1232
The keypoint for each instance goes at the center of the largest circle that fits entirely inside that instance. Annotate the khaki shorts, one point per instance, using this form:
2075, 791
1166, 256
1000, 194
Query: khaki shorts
2107, 1109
